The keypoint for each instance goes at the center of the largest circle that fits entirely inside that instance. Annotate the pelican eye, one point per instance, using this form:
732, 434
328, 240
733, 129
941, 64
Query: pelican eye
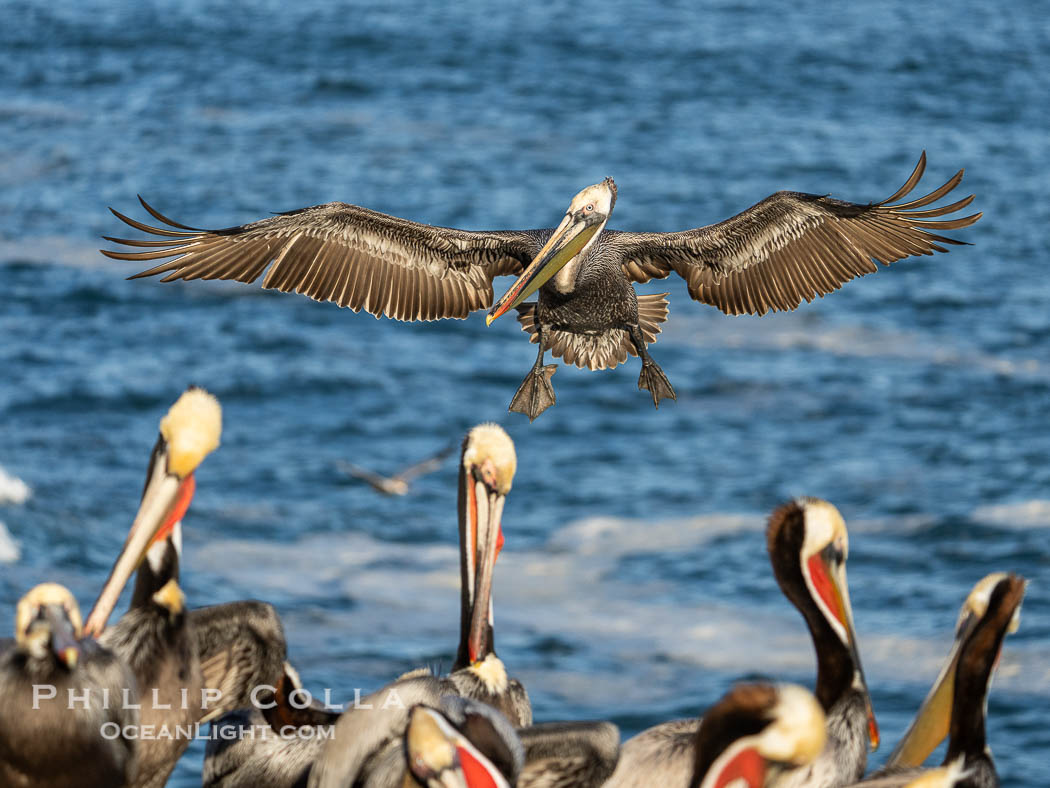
589, 208
834, 553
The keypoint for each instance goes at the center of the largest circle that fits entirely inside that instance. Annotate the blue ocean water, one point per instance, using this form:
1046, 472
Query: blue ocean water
634, 584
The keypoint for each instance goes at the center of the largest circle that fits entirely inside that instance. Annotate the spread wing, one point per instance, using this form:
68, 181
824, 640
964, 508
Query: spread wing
241, 646
429, 465
793, 246
337, 252
563, 754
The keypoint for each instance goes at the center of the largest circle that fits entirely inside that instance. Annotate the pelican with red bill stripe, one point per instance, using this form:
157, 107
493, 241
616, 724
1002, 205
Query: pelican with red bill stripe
439, 753
486, 471
758, 735
808, 547
189, 665
188, 433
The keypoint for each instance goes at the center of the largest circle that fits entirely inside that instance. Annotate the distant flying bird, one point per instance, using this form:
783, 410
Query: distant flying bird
398, 483
785, 249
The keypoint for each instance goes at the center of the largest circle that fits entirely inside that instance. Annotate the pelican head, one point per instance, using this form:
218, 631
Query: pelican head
188, 433
47, 619
440, 756
486, 471
757, 730
933, 719
588, 212
807, 541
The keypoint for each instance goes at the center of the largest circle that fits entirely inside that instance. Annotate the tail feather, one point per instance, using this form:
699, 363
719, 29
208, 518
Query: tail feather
604, 350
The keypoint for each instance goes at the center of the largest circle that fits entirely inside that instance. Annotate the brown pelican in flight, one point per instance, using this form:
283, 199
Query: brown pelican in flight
50, 736
957, 703
788, 248
399, 482
177, 654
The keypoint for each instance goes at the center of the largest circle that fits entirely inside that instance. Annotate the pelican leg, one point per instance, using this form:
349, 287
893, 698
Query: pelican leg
536, 394
651, 378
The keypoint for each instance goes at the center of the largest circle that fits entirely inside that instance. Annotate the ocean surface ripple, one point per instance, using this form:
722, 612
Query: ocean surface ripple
634, 584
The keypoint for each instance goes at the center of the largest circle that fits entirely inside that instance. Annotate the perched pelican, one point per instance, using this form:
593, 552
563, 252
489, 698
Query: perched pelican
175, 655
808, 547
486, 470
56, 736
957, 703
399, 482
785, 249
464, 744
758, 733
578, 754
366, 748
468, 743
271, 744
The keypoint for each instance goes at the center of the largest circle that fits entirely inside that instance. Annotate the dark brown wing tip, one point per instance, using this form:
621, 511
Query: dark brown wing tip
162, 218
913, 179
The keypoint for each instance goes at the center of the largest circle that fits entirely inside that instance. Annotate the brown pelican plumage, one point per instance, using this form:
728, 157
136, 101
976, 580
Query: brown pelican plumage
189, 666
956, 705
808, 547
758, 733
467, 743
63, 711
486, 470
270, 744
366, 747
398, 483
787, 248
464, 744
569, 754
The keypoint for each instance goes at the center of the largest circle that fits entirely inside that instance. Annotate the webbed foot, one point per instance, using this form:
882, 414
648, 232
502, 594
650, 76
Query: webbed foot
655, 381
535, 394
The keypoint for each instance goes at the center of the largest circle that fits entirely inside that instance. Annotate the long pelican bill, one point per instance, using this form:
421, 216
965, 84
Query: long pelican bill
564, 244
828, 575
933, 719
484, 517
164, 502
188, 433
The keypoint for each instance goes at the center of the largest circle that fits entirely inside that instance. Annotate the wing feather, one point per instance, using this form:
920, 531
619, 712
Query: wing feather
343, 253
240, 646
793, 247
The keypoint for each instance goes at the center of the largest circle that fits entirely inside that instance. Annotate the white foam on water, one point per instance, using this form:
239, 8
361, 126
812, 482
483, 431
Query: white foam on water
1021, 514
9, 550
54, 250
629, 632
12, 489
801, 332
